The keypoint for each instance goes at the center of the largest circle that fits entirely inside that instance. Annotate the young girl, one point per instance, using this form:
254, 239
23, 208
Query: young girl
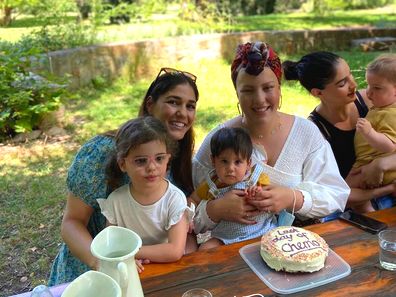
149, 205
231, 152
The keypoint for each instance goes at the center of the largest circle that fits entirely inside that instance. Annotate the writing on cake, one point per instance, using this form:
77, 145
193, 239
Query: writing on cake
293, 241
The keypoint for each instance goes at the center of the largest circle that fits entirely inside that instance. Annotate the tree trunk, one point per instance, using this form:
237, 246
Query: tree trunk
6, 16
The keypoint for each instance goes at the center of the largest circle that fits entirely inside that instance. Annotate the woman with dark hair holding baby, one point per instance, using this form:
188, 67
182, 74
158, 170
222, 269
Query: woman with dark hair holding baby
328, 77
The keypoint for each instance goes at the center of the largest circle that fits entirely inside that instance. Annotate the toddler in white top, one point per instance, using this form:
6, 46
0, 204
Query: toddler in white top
150, 205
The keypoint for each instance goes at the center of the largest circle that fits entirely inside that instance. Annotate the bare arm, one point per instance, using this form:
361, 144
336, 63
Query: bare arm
358, 196
377, 140
74, 230
373, 173
171, 251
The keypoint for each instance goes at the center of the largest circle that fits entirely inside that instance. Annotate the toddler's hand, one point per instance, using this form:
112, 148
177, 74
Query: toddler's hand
363, 126
139, 264
252, 191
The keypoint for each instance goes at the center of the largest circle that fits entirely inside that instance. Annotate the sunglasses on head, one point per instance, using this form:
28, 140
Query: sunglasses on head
175, 71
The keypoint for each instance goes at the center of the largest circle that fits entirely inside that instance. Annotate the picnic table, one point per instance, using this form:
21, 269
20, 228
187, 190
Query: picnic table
225, 273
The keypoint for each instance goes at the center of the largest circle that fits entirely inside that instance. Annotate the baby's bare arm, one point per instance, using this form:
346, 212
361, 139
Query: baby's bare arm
377, 140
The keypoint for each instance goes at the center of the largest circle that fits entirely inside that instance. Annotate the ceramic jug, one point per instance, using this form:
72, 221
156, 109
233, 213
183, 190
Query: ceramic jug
115, 247
92, 283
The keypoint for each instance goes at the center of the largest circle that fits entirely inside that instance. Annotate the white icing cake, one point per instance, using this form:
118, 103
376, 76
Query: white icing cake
293, 249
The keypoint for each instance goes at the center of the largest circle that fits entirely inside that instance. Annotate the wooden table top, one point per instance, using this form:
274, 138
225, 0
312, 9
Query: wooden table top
223, 271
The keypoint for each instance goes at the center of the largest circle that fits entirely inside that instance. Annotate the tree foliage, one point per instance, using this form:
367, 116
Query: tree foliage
26, 96
11, 8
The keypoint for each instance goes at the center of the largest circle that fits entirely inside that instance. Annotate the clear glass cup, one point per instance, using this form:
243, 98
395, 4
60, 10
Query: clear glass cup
387, 243
197, 292
41, 291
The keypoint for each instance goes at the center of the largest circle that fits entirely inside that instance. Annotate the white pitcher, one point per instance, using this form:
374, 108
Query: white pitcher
116, 247
92, 283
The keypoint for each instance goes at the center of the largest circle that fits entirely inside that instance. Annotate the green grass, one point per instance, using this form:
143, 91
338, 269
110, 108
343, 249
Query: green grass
25, 24
171, 25
298, 21
32, 179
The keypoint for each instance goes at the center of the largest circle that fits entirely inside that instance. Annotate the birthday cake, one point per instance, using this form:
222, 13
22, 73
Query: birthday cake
293, 249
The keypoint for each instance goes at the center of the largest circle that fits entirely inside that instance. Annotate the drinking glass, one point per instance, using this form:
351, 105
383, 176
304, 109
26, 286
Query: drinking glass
387, 242
197, 292
41, 291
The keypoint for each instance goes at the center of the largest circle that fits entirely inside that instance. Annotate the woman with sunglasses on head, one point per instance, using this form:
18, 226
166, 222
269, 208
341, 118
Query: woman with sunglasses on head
303, 174
171, 98
328, 77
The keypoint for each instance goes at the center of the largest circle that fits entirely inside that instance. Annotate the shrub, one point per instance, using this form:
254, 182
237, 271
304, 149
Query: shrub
25, 96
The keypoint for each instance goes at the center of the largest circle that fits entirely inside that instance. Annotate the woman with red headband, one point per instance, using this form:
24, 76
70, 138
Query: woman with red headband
299, 162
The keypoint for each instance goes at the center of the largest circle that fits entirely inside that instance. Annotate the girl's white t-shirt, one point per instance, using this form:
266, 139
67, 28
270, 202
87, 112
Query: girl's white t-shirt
150, 222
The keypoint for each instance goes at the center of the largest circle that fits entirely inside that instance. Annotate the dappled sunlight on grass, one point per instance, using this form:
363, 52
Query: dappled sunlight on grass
108, 108
172, 25
14, 34
308, 21
296, 100
33, 174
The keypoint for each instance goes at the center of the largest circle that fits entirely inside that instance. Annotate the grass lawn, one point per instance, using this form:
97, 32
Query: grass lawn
32, 175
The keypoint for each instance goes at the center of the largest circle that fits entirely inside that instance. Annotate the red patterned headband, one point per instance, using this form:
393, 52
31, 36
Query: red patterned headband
253, 57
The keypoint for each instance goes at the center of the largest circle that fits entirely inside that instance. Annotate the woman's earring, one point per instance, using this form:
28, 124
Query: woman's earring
239, 110
280, 102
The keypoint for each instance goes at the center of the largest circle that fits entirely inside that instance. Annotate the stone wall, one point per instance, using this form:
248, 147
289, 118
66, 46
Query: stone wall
141, 59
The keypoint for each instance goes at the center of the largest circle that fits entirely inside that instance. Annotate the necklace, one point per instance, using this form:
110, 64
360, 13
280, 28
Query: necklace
274, 130
277, 127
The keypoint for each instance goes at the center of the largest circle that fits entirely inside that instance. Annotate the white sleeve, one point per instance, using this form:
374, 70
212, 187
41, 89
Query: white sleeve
202, 222
324, 190
107, 209
177, 206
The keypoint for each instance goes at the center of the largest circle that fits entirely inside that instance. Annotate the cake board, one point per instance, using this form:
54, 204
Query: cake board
286, 283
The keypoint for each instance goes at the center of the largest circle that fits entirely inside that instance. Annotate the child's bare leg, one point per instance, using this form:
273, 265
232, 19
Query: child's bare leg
191, 243
210, 244
363, 207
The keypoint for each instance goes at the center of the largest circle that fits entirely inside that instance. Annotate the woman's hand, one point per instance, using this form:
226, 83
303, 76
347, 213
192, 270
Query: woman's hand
273, 199
372, 174
232, 207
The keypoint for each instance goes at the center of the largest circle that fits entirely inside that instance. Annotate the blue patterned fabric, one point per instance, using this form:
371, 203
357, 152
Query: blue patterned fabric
86, 180
230, 232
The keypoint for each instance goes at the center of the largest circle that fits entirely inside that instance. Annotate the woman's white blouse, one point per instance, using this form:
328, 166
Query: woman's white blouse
306, 163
